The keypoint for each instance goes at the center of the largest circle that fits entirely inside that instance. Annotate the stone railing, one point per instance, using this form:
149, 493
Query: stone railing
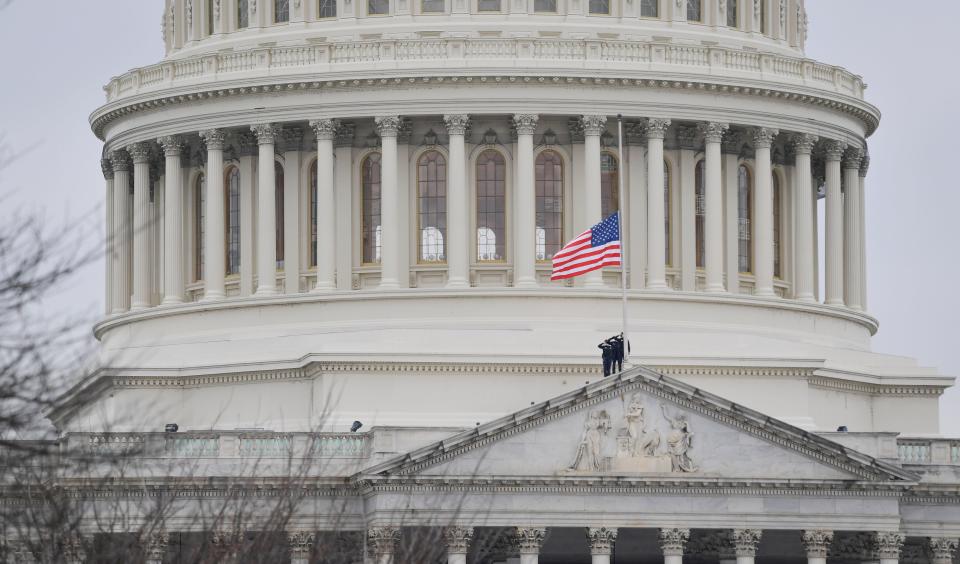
375, 58
929, 451
220, 444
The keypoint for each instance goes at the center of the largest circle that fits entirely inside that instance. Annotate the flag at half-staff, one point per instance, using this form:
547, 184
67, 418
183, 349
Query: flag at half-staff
593, 249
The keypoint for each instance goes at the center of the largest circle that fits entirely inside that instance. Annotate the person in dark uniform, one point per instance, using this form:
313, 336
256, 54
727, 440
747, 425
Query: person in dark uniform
618, 353
607, 355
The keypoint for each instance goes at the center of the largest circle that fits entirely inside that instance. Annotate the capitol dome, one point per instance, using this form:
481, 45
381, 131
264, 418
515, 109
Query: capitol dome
359, 199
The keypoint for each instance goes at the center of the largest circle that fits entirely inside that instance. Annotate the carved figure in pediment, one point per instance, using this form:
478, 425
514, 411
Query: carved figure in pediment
590, 452
642, 442
679, 442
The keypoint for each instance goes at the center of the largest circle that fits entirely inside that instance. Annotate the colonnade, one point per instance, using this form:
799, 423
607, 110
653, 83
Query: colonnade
383, 545
129, 270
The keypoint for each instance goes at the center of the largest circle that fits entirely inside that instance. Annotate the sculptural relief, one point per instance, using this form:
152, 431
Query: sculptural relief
637, 449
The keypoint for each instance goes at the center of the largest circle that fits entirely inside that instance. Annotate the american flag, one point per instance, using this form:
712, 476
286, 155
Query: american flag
595, 248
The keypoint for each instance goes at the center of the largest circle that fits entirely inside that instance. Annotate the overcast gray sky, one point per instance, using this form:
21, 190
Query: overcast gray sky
58, 54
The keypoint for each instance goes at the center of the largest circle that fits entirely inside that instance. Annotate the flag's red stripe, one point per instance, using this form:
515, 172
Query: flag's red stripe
592, 253
573, 265
597, 266
586, 266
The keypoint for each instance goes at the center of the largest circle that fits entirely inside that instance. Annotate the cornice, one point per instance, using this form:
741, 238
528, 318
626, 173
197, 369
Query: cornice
212, 76
830, 383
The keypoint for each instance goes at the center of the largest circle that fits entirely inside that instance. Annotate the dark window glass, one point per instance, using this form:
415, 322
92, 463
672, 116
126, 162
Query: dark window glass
378, 7
694, 11
544, 5
431, 6
199, 215
491, 206
432, 206
243, 13
599, 6
278, 213
313, 214
732, 13
700, 214
370, 192
667, 212
549, 194
744, 220
777, 227
327, 9
281, 11
609, 185
233, 220
650, 8
488, 5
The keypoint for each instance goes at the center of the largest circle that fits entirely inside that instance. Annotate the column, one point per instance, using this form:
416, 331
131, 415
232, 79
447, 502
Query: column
763, 213
834, 224
672, 543
247, 268
120, 161
300, 545
805, 208
745, 543
817, 542
458, 543
109, 233
530, 541
637, 216
601, 541
382, 541
525, 205
732, 145
713, 202
942, 549
266, 209
292, 143
656, 238
864, 167
154, 546
390, 207
326, 131
593, 127
140, 153
687, 140
173, 221
458, 214
888, 546
214, 248
851, 227
344, 204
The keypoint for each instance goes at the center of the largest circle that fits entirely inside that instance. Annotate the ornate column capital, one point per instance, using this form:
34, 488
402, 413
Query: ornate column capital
601, 540
120, 160
300, 544
172, 145
525, 124
763, 137
387, 126
106, 167
266, 133
456, 123
674, 541
383, 540
852, 158
943, 549
817, 542
458, 539
833, 150
803, 143
713, 131
593, 124
325, 129
140, 152
745, 541
889, 544
214, 139
530, 539
657, 128
865, 165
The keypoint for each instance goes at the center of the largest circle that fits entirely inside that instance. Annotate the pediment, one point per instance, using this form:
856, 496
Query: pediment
640, 424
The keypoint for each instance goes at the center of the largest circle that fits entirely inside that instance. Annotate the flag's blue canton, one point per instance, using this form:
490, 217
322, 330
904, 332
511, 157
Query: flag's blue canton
605, 231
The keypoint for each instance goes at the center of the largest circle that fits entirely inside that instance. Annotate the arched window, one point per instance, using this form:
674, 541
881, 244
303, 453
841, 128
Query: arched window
694, 11
650, 8
243, 14
281, 11
667, 212
327, 9
609, 184
232, 224
370, 195
278, 212
549, 189
313, 214
491, 206
700, 207
732, 19
777, 227
744, 219
199, 216
432, 206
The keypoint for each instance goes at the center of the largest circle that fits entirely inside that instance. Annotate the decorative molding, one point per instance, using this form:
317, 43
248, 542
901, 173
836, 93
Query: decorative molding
865, 165
214, 139
383, 540
593, 125
889, 544
266, 133
852, 158
601, 540
763, 137
140, 152
803, 143
387, 126
120, 161
745, 541
456, 124
673, 541
458, 539
817, 542
530, 539
833, 150
656, 128
525, 124
942, 549
325, 129
713, 132
106, 167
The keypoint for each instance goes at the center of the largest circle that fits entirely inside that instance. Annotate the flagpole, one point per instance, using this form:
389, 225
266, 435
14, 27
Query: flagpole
623, 246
